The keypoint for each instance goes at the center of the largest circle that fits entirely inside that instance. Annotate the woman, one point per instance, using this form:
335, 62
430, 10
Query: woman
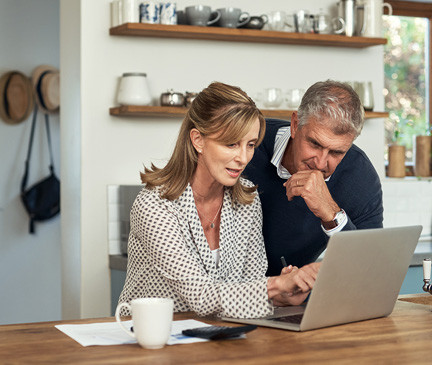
196, 225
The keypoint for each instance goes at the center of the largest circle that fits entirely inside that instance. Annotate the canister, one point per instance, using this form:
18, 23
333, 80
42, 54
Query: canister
134, 89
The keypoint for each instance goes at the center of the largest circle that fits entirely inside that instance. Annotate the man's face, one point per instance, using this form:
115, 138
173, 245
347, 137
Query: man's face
316, 147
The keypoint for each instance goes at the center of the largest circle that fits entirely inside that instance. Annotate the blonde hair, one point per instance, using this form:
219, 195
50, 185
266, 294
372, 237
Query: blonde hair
221, 110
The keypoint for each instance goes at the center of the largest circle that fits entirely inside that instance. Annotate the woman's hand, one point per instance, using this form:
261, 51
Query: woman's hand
293, 285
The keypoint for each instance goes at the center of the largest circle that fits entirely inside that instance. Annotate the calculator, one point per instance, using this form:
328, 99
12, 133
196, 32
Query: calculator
218, 332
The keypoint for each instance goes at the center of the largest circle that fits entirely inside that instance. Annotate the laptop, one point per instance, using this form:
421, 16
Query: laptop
360, 278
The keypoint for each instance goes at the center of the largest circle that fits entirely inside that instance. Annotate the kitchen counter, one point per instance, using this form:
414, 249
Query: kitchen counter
403, 337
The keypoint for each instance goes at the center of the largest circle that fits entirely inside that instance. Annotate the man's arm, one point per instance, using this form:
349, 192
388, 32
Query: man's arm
311, 186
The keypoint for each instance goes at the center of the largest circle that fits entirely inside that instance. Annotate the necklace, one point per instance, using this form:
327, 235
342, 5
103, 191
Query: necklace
212, 224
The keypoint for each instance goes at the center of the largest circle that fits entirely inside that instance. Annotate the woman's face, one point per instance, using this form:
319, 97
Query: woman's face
223, 163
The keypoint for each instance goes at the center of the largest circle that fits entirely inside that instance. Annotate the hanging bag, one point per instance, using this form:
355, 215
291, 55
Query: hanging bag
41, 200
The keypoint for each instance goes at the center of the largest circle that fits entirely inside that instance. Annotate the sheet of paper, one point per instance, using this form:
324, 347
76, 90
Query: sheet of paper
110, 333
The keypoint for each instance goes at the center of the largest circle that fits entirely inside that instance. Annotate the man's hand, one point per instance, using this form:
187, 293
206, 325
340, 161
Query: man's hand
311, 186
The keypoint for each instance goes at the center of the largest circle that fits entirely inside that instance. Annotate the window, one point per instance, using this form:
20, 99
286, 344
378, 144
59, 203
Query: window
406, 78
407, 88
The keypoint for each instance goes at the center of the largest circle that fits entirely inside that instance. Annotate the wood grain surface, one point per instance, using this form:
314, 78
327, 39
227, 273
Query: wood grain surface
404, 337
243, 35
180, 112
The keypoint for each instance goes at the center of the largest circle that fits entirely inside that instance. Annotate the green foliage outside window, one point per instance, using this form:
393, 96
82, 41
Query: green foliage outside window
406, 79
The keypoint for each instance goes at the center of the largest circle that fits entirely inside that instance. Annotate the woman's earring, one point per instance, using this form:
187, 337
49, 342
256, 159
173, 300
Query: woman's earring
199, 151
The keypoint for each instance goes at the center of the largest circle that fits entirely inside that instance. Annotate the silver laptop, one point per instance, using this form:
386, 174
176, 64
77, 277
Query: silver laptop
360, 278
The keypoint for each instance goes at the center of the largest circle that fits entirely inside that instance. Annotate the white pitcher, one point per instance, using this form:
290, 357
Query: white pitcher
373, 16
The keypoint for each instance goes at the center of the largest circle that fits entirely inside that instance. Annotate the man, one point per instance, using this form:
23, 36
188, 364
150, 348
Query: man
312, 180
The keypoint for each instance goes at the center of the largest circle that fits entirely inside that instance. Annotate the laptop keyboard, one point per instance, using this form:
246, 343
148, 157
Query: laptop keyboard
295, 318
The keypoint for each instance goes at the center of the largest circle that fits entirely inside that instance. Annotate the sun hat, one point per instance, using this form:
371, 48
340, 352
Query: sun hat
46, 84
16, 97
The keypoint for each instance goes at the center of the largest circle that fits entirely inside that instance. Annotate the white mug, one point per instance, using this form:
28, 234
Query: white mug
373, 17
130, 11
116, 13
151, 318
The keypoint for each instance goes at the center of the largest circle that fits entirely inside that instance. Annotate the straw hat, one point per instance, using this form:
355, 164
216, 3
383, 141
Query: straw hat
46, 84
16, 97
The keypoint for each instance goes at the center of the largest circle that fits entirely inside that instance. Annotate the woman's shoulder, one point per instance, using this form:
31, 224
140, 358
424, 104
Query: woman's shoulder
151, 198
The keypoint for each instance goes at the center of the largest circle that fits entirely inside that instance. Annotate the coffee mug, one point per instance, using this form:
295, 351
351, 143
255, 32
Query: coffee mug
152, 319
256, 22
230, 17
181, 17
149, 12
200, 15
168, 14
373, 16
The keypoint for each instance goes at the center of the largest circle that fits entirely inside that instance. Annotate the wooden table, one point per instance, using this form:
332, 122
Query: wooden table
404, 337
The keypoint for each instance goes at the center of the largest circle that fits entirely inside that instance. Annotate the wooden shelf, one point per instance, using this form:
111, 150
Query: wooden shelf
243, 35
180, 112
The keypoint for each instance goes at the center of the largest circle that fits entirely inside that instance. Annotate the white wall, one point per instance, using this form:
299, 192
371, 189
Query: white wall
29, 264
112, 149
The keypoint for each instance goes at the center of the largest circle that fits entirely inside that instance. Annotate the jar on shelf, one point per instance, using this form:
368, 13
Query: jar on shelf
134, 89
396, 157
422, 150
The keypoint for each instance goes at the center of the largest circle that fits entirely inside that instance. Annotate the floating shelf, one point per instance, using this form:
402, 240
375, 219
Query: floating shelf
243, 35
180, 112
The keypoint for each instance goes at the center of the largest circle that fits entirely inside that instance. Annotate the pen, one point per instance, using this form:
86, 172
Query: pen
284, 264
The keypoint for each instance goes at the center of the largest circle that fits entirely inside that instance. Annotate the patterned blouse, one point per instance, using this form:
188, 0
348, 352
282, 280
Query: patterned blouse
168, 256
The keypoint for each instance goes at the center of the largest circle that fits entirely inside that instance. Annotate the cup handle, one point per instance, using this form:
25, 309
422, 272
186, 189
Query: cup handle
117, 316
218, 15
243, 22
342, 23
389, 7
264, 17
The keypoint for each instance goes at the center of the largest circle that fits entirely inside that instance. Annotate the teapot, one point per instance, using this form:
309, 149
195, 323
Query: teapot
171, 98
256, 22
189, 98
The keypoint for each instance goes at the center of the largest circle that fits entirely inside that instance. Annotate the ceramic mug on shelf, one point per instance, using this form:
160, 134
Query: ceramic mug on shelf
168, 13
230, 17
116, 13
152, 320
130, 11
373, 16
150, 12
256, 22
201, 15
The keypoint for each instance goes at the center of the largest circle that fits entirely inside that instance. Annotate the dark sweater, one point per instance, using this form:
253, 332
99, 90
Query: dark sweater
290, 229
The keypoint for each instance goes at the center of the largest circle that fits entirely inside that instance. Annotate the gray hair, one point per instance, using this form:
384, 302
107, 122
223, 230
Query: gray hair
335, 104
